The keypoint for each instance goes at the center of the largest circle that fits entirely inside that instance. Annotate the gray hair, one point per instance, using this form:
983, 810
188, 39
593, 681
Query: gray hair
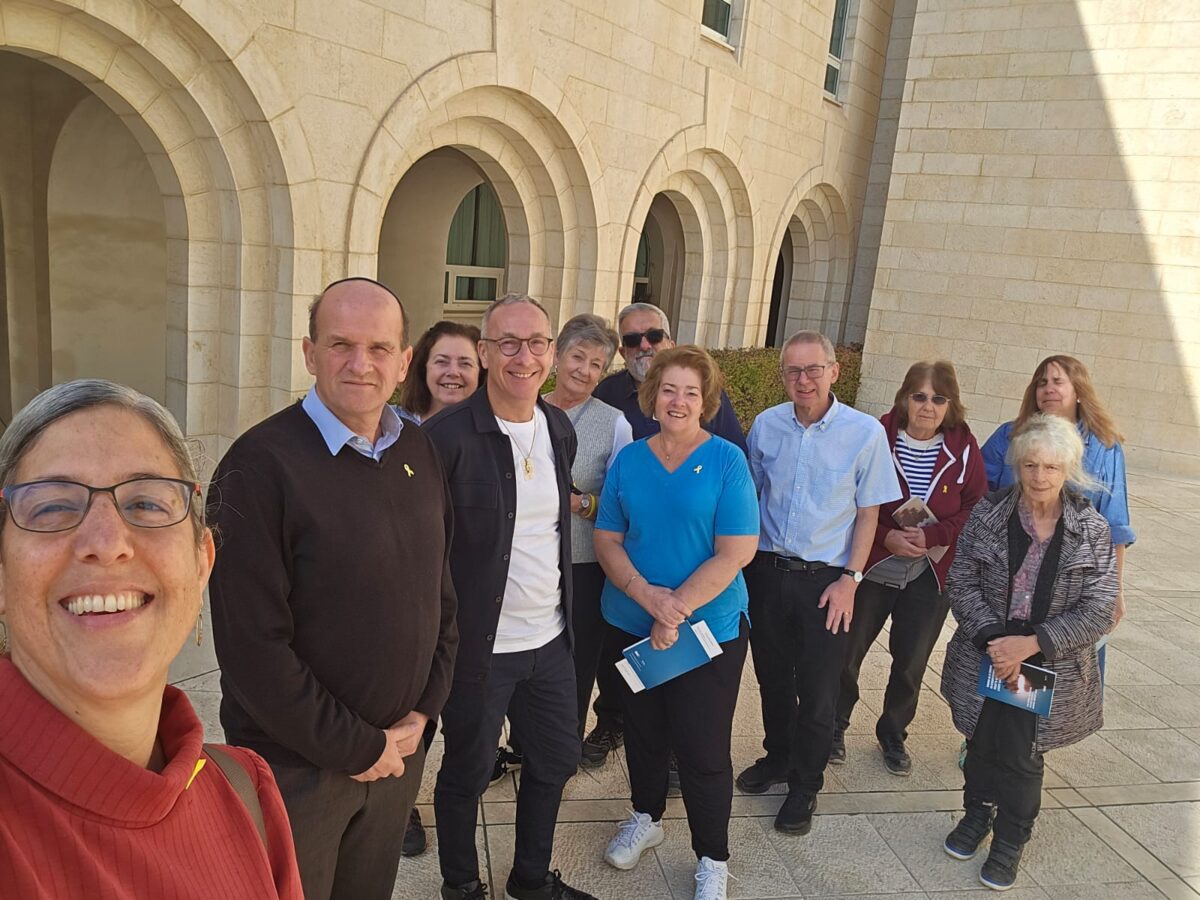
644, 307
587, 328
61, 400
510, 299
810, 337
1059, 439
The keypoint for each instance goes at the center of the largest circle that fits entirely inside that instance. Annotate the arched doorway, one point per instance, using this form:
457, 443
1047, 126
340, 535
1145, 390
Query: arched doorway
86, 249
665, 251
444, 242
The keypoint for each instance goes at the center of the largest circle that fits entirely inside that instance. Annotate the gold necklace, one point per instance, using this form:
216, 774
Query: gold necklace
669, 453
526, 458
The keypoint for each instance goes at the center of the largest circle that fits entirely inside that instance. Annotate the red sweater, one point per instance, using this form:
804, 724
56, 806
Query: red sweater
77, 820
959, 480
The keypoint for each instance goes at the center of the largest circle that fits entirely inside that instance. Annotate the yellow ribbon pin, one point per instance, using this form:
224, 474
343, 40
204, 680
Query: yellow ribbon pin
408, 469
697, 469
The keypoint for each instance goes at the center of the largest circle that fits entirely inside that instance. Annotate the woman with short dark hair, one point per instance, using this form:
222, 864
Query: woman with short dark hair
105, 779
938, 464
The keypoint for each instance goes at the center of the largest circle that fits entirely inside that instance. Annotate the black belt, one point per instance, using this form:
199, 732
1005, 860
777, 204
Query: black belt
795, 564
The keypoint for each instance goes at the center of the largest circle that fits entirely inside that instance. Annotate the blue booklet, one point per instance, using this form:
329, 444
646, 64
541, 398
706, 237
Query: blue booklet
1034, 690
644, 667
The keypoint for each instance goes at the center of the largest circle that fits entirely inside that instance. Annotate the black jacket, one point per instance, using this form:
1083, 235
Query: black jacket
477, 458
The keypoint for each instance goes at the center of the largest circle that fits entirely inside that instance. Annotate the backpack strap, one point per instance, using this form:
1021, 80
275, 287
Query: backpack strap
237, 776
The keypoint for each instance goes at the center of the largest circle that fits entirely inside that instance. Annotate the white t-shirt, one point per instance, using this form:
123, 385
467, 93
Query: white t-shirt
531, 615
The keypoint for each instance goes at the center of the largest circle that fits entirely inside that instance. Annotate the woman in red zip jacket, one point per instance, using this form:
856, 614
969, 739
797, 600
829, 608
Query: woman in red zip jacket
938, 462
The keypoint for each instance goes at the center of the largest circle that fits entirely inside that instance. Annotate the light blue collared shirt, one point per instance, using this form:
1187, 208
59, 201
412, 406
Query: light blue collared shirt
337, 435
812, 481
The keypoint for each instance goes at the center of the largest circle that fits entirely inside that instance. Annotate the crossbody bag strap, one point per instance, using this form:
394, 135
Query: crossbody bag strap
237, 776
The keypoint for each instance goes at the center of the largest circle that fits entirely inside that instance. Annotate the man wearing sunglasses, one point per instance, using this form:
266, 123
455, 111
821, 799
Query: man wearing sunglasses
508, 455
644, 331
332, 603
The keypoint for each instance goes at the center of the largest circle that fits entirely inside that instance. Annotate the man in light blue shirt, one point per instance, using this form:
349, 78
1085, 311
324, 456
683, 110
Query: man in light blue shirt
822, 469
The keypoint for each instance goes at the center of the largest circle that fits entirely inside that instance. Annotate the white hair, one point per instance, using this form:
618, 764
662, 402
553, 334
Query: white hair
645, 307
1058, 439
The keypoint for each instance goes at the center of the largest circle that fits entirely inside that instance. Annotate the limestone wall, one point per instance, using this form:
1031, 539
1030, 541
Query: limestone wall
1044, 198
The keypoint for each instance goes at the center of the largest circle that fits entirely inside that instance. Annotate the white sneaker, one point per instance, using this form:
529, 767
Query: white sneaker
634, 836
711, 879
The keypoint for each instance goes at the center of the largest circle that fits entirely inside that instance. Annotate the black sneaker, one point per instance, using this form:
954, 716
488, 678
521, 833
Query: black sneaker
506, 761
796, 814
963, 842
895, 757
476, 890
414, 835
837, 752
554, 889
597, 745
762, 776
1000, 868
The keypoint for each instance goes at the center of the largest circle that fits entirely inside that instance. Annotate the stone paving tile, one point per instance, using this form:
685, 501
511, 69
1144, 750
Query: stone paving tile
578, 852
864, 769
1174, 705
1122, 713
1121, 668
1171, 831
1064, 851
1166, 754
207, 681
933, 715
842, 855
758, 870
917, 839
1096, 761
208, 707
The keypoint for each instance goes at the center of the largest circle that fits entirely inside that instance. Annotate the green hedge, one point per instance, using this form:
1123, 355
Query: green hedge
752, 378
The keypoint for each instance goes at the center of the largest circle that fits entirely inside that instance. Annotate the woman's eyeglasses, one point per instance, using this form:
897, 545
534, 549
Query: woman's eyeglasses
921, 397
50, 506
633, 339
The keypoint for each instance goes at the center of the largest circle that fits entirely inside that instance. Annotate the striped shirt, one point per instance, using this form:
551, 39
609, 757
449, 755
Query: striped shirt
917, 461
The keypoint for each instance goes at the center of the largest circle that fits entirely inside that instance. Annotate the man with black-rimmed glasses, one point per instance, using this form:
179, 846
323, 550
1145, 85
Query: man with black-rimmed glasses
508, 455
822, 469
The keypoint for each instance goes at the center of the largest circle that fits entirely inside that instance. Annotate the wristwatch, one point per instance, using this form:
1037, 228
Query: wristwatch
857, 576
585, 504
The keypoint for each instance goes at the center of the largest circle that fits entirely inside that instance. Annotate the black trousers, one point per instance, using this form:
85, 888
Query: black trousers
798, 662
590, 633
1004, 767
691, 715
918, 611
537, 690
348, 834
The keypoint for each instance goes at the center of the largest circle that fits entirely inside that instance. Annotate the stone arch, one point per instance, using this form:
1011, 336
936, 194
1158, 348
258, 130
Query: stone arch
817, 294
220, 171
718, 196
535, 154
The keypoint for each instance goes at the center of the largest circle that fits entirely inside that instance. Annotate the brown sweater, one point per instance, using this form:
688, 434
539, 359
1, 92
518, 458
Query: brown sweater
333, 608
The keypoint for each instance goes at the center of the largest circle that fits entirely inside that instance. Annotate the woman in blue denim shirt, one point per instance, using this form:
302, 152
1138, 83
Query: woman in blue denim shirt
1061, 386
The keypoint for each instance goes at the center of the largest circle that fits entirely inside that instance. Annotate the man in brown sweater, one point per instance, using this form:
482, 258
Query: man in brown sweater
333, 606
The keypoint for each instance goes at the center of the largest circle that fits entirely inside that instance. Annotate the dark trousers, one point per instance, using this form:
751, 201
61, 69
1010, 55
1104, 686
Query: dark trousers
918, 611
590, 632
348, 834
798, 662
691, 715
537, 689
1003, 767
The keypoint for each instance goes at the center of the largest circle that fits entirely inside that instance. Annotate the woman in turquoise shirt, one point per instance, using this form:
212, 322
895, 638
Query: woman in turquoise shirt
1061, 386
678, 520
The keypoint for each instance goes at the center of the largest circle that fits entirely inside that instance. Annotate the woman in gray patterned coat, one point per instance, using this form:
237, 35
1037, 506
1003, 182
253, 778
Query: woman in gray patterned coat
1034, 580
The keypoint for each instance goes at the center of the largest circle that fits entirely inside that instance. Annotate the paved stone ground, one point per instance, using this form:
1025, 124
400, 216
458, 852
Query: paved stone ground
1120, 813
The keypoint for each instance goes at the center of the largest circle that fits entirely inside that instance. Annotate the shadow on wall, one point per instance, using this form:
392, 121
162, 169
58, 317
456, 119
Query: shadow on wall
1042, 200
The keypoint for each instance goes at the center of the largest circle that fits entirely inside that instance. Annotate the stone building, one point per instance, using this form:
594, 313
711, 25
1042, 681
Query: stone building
987, 181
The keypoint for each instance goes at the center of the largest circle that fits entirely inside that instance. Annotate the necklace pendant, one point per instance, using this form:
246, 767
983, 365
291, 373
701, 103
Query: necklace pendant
528, 469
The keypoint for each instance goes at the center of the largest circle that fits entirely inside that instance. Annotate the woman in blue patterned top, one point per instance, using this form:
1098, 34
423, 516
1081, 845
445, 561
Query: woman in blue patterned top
678, 520
1061, 386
